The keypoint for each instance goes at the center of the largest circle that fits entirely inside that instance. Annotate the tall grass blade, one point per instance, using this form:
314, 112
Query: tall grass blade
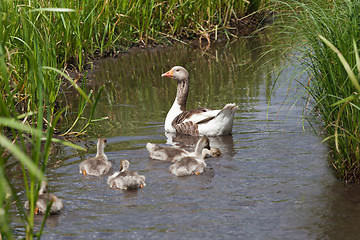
344, 62
21, 156
52, 10
357, 57
92, 109
83, 94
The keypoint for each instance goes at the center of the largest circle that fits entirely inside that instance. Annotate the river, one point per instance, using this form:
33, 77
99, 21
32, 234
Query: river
273, 180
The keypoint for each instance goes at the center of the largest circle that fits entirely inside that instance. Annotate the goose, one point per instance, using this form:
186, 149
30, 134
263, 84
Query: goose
44, 199
126, 179
97, 165
173, 154
201, 121
195, 164
163, 153
190, 165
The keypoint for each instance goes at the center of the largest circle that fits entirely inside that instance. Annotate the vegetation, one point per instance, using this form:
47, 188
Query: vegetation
39, 40
28, 113
326, 35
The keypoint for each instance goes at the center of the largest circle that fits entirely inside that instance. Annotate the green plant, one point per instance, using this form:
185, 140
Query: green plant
325, 35
28, 113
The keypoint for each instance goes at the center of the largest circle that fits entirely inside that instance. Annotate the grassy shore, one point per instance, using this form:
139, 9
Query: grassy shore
326, 36
39, 40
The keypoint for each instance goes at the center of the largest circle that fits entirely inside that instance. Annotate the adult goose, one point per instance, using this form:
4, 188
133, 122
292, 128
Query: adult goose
44, 199
173, 154
201, 121
97, 165
126, 179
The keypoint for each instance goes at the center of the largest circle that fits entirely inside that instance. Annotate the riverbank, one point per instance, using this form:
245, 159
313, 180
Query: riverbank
325, 35
243, 26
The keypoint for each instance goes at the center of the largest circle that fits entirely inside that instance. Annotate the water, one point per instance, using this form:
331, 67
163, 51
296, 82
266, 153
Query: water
272, 182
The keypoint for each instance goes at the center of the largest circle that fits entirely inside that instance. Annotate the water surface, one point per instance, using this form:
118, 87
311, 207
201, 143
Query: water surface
272, 182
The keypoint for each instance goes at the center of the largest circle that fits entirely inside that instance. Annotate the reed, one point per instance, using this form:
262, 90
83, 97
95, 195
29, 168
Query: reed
327, 36
98, 27
29, 89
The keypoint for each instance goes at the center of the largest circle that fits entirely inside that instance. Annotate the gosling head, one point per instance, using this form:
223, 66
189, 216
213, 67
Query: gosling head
203, 142
215, 152
43, 188
102, 143
124, 165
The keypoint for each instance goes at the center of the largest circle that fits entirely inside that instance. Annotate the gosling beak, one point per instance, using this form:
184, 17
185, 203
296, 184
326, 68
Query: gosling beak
168, 74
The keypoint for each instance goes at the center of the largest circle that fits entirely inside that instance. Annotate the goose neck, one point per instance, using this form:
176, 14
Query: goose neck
199, 152
100, 150
182, 94
204, 152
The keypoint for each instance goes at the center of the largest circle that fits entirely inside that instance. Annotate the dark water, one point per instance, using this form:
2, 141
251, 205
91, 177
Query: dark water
272, 182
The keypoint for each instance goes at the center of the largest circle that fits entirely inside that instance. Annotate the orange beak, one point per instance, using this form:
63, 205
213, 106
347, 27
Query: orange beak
84, 172
168, 74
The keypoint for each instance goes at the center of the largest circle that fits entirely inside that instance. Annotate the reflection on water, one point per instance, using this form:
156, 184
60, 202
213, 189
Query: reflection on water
136, 98
272, 182
225, 143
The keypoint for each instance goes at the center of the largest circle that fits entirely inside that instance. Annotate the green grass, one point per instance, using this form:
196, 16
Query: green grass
29, 85
95, 27
326, 35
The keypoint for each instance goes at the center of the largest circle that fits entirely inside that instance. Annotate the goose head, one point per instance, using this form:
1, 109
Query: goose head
124, 165
177, 73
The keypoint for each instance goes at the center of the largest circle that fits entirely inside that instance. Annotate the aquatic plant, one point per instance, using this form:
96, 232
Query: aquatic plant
326, 36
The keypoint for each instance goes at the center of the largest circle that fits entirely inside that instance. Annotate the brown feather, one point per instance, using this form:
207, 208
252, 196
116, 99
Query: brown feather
189, 127
187, 114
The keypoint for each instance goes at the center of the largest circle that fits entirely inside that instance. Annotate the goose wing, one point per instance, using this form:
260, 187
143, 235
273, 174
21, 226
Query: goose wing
187, 121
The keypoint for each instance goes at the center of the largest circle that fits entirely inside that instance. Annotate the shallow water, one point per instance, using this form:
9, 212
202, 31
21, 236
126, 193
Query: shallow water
272, 182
